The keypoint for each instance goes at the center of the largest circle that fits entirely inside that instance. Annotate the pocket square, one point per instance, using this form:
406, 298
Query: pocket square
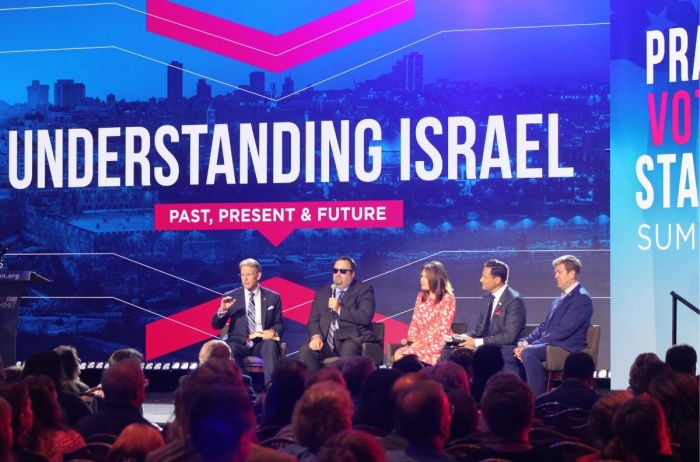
271, 307
497, 312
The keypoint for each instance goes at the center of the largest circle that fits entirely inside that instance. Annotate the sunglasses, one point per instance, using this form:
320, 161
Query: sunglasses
341, 271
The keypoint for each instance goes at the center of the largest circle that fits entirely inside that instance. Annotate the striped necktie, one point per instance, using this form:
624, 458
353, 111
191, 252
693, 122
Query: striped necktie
251, 318
334, 322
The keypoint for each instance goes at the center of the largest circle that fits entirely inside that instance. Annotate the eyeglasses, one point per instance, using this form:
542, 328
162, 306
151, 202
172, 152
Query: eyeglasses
341, 270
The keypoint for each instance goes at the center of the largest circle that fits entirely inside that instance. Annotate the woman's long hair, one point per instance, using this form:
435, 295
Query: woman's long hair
438, 282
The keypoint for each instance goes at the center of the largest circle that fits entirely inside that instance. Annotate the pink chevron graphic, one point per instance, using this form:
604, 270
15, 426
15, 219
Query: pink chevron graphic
176, 332
275, 53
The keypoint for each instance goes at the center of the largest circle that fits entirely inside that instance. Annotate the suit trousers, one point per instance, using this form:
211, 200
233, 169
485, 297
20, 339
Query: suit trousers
268, 350
530, 368
314, 359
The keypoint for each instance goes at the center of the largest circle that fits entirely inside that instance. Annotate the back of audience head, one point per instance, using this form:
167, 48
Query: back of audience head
579, 366
355, 370
409, 363
222, 423
286, 387
451, 376
17, 396
486, 362
213, 372
327, 374
678, 394
465, 414
508, 406
643, 369
70, 361
124, 353
323, 411
405, 382
45, 408
352, 446
124, 384
134, 443
46, 363
640, 427
214, 349
423, 414
682, 358
6, 437
602, 412
376, 406
464, 357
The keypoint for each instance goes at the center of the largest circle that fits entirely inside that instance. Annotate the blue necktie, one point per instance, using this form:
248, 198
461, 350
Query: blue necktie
251, 318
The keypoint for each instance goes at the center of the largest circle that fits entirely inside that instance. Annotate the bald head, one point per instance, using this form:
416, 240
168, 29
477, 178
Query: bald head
214, 349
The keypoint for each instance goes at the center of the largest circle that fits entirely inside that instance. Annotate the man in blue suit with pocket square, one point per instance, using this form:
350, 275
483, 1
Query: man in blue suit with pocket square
565, 326
255, 315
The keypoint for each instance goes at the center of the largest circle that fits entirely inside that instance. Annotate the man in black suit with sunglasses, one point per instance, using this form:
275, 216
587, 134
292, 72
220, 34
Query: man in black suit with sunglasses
341, 317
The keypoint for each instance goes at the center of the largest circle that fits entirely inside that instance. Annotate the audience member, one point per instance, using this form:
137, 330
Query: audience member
352, 446
355, 370
463, 357
640, 427
49, 363
682, 358
578, 385
214, 349
324, 410
124, 388
222, 424
220, 350
408, 363
678, 394
213, 373
376, 407
486, 362
71, 368
328, 374
49, 436
285, 389
134, 443
600, 431
124, 353
508, 407
423, 417
450, 375
5, 430
643, 369
394, 440
17, 396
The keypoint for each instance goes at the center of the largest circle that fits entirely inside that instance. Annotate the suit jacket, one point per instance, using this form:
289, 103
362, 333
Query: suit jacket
507, 322
356, 313
567, 322
238, 315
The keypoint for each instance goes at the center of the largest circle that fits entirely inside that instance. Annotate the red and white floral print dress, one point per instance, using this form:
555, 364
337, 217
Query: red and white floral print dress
430, 322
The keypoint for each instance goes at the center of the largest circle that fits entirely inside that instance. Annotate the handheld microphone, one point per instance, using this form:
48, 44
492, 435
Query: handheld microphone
332, 295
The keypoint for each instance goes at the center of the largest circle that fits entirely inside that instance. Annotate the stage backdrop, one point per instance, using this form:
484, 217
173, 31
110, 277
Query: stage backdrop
147, 146
655, 235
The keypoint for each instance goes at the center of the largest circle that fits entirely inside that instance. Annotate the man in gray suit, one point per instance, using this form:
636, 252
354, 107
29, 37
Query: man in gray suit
502, 317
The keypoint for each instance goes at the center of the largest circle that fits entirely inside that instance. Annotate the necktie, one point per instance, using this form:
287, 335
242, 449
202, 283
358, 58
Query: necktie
487, 322
251, 318
334, 322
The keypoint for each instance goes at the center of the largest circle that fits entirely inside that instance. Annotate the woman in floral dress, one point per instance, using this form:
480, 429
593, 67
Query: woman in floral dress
432, 315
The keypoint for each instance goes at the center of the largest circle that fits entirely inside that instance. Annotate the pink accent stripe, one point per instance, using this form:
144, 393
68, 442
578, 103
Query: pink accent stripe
263, 49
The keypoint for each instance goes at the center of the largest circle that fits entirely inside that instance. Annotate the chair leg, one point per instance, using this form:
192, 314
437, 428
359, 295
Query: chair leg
550, 379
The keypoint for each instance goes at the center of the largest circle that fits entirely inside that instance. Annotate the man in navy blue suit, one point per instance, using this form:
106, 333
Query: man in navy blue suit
565, 326
254, 315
